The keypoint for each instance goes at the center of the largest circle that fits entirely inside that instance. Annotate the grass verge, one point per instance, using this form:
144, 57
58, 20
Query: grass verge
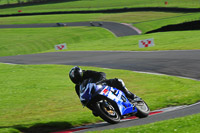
34, 40
175, 40
40, 40
41, 97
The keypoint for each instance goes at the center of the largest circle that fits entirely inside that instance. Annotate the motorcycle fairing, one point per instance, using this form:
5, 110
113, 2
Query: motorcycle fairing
88, 92
91, 90
85, 93
125, 107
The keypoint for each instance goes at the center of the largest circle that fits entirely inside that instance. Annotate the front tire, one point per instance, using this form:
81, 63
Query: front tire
143, 109
107, 111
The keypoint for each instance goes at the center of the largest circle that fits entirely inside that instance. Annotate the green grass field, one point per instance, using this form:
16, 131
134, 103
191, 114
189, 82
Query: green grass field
34, 96
35, 40
40, 40
185, 40
98, 4
128, 17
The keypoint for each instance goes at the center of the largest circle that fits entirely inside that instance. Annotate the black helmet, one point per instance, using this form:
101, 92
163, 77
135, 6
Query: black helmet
76, 75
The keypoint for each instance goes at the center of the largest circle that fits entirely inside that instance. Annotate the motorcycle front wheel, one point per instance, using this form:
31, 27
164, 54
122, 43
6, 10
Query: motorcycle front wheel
107, 111
143, 109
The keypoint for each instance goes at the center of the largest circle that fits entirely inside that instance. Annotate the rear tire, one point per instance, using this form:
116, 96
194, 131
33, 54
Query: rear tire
107, 111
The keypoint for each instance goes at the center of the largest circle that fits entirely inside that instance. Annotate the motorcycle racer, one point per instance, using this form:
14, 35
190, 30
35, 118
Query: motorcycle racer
77, 76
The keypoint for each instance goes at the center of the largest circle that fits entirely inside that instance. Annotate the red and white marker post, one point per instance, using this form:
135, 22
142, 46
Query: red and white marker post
61, 46
146, 43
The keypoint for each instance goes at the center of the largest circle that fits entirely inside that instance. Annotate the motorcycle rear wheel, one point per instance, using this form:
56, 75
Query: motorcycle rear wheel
107, 111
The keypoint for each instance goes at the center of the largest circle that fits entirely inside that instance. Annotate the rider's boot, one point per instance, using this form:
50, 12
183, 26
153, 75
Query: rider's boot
125, 90
128, 94
133, 97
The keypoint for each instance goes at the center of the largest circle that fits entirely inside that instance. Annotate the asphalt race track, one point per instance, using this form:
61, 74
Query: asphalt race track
184, 63
150, 119
118, 29
178, 63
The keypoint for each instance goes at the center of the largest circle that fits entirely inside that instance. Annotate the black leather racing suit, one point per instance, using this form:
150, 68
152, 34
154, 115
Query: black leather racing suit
100, 77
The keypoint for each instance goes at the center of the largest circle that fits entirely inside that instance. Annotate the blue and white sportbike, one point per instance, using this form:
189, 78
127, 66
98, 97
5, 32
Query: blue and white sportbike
110, 103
